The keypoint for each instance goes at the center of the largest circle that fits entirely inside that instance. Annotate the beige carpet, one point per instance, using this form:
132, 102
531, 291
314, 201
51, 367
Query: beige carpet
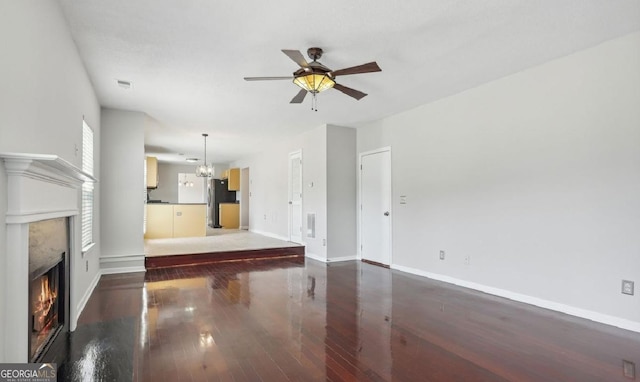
217, 240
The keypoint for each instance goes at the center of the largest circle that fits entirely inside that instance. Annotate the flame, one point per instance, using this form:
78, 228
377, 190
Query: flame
44, 303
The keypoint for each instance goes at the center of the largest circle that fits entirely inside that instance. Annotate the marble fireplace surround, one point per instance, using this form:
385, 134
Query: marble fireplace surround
39, 187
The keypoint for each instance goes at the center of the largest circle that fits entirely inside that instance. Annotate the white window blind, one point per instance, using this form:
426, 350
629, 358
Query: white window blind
144, 220
87, 187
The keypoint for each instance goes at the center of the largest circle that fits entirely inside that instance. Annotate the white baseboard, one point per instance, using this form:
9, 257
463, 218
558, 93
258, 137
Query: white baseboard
330, 260
269, 234
122, 264
578, 312
315, 257
85, 298
343, 258
113, 271
244, 227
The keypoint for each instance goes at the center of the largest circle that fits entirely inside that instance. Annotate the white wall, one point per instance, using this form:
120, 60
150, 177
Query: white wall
44, 93
314, 186
122, 187
535, 177
341, 192
269, 185
197, 193
244, 197
329, 181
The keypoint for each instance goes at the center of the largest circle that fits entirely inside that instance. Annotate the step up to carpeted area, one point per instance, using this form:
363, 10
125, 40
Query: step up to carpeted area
213, 257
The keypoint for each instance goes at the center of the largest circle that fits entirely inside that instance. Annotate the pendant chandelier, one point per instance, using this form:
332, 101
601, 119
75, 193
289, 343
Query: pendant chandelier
185, 182
204, 170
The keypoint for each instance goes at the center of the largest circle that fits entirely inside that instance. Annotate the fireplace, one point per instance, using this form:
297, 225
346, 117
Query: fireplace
40, 188
49, 284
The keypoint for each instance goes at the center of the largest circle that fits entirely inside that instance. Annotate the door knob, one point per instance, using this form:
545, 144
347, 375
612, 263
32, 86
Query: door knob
386, 213
290, 202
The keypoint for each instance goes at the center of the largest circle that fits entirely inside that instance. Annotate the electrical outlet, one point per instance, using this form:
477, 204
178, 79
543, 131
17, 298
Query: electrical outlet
441, 255
467, 260
265, 216
627, 287
629, 369
86, 265
324, 242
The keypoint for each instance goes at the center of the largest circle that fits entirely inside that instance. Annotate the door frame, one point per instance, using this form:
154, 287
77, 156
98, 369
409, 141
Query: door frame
360, 156
289, 188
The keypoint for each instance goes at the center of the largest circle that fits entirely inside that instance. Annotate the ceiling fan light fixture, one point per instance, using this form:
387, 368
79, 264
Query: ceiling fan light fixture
314, 82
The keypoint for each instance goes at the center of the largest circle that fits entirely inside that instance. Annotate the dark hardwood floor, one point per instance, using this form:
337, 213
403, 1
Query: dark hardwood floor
291, 320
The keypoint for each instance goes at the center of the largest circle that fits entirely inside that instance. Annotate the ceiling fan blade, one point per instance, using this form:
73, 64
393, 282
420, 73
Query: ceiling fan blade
299, 97
296, 56
350, 92
267, 78
364, 68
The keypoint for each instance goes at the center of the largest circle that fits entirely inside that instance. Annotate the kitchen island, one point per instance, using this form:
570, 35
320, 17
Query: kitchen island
165, 220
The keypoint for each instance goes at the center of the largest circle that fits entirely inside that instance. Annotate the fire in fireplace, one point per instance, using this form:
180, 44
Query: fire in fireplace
45, 312
49, 284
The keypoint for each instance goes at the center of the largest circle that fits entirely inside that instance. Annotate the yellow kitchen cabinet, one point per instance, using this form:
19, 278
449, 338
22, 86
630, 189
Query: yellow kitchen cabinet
159, 221
189, 220
176, 220
230, 215
152, 172
233, 178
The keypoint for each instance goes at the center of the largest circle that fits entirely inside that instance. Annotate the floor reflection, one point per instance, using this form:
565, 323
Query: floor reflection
290, 321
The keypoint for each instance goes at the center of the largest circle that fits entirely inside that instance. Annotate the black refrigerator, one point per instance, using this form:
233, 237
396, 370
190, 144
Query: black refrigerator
218, 193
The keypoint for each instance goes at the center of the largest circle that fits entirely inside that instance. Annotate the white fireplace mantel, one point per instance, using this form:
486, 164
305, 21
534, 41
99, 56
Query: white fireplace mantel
45, 165
39, 187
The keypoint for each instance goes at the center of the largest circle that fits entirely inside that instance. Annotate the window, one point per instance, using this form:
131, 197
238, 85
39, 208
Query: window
87, 187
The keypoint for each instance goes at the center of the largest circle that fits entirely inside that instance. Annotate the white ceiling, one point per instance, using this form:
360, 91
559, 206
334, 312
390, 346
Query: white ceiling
187, 58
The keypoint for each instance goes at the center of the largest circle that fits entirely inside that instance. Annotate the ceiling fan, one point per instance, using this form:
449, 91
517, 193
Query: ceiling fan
313, 77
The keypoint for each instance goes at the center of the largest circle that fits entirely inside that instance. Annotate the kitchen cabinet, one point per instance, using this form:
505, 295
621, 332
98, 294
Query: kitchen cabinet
189, 220
233, 178
230, 215
159, 221
152, 172
176, 220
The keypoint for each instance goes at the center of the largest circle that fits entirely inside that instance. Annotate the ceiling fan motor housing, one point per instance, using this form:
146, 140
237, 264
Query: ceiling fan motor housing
314, 53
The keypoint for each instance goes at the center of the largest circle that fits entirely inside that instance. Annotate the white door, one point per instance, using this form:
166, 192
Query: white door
295, 197
375, 200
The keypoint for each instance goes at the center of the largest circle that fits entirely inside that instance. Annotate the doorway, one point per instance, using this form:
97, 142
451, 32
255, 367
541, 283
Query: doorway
375, 206
295, 197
